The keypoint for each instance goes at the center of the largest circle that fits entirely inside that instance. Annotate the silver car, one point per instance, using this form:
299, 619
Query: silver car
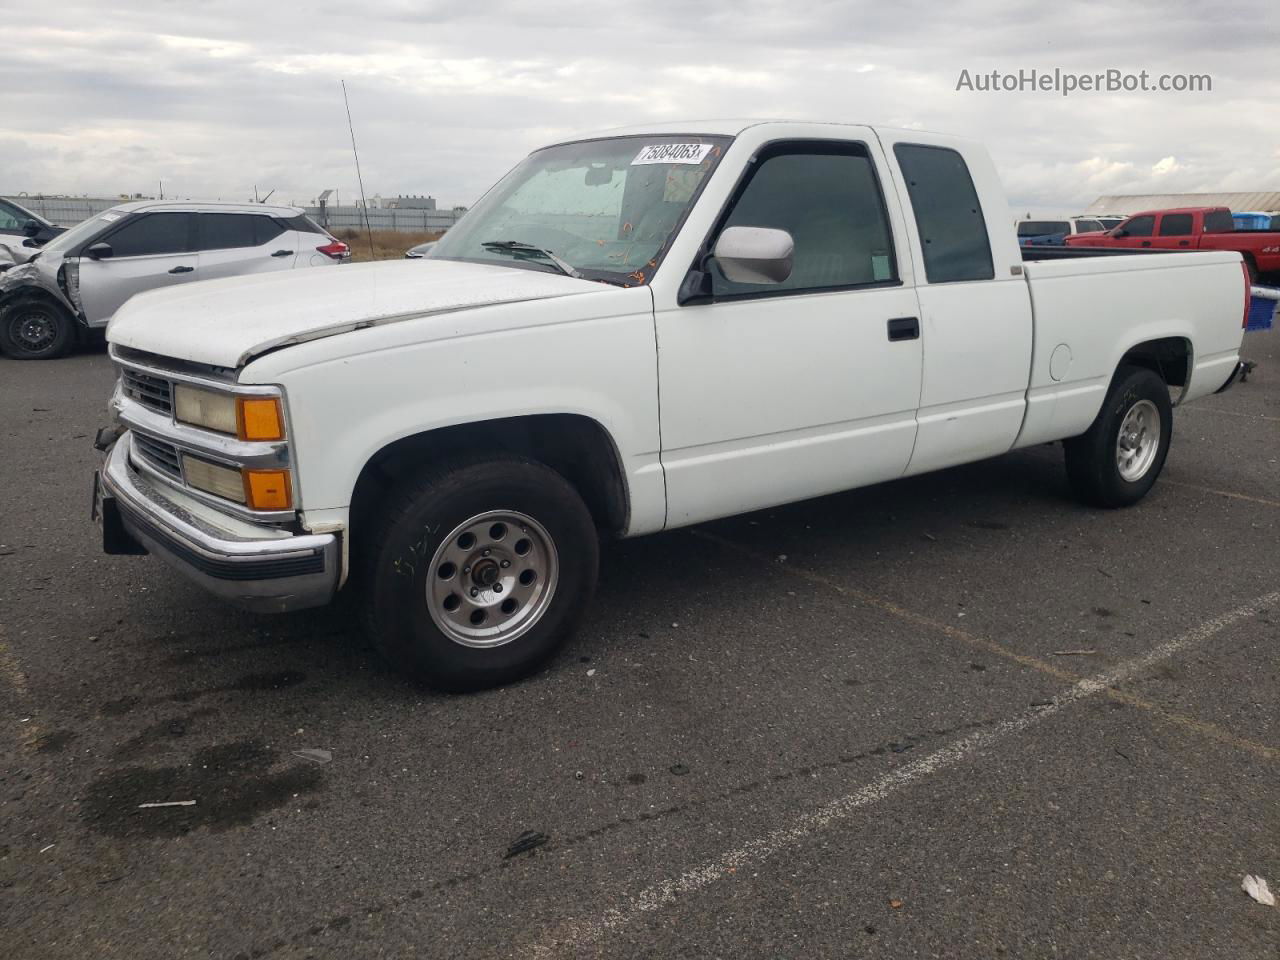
21, 233
80, 278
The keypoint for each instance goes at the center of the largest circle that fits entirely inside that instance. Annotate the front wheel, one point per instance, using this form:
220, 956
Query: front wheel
1116, 462
475, 573
35, 330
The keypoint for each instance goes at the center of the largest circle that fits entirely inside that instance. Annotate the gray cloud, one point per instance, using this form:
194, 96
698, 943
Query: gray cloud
217, 97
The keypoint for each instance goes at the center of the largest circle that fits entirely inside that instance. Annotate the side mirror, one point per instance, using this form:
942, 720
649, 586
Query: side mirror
99, 251
30, 228
1119, 232
755, 254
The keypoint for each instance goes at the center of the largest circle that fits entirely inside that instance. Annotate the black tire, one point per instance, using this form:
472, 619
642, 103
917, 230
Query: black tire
1093, 458
36, 330
396, 559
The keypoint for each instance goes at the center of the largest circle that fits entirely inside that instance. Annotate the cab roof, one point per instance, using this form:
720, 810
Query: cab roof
1156, 213
725, 128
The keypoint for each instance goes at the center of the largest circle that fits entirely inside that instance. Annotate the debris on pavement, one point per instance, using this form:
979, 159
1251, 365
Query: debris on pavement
896, 904
1074, 653
315, 755
679, 769
50, 847
528, 840
167, 803
1257, 888
591, 672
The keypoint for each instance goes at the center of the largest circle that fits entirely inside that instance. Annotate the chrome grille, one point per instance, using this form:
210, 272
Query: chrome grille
153, 392
158, 454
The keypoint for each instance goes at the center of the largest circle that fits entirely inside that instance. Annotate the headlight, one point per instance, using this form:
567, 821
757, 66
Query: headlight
205, 408
212, 478
249, 418
257, 489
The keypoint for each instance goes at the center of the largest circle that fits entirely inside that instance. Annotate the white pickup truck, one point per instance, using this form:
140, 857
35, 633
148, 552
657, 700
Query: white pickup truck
633, 332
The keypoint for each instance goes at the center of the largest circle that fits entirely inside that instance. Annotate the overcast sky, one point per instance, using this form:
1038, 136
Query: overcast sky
217, 96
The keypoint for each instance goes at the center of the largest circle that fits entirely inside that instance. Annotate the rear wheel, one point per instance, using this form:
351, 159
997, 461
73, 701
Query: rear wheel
36, 330
475, 573
1116, 462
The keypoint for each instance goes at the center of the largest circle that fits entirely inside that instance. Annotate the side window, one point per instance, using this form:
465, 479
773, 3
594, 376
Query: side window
265, 229
1087, 226
153, 233
827, 196
226, 231
1175, 225
953, 233
301, 223
1219, 221
1140, 227
11, 219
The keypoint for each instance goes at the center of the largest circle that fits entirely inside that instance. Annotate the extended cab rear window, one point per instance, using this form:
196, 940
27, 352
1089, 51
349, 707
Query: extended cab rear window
1219, 221
953, 233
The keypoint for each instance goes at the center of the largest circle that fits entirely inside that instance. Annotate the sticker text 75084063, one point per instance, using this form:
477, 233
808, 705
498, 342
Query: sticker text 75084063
672, 153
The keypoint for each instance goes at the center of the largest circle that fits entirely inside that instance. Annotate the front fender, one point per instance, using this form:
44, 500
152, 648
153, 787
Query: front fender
344, 406
27, 281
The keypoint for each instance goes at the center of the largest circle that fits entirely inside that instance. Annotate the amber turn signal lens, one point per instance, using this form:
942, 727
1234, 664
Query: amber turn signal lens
259, 418
268, 489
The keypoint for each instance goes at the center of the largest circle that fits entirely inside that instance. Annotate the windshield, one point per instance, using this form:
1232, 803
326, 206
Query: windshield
1039, 228
607, 208
81, 231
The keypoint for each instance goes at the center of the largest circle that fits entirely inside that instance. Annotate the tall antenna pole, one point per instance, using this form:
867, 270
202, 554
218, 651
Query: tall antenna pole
359, 179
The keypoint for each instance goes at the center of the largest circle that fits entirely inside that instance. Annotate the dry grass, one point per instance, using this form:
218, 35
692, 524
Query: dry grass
387, 244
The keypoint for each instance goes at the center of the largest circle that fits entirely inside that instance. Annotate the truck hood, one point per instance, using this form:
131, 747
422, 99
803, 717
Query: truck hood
227, 322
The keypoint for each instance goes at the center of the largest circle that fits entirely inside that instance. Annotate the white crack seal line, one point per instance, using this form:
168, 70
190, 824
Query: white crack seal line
571, 936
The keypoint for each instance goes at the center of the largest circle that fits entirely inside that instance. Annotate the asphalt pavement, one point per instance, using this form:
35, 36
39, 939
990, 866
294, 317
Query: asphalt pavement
955, 716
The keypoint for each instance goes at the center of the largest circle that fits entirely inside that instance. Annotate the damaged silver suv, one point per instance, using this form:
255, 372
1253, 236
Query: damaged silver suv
78, 280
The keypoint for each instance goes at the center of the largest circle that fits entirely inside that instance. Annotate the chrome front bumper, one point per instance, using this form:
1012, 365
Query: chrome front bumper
271, 573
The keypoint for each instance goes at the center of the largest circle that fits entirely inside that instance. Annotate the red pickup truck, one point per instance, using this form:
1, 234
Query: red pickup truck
1190, 228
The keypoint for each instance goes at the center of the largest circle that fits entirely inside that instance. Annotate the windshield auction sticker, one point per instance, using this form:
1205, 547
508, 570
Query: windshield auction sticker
672, 153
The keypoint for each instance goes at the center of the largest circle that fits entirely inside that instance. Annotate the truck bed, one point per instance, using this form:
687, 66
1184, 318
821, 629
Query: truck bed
1082, 296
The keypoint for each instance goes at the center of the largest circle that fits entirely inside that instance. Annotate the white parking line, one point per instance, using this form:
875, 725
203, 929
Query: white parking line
572, 936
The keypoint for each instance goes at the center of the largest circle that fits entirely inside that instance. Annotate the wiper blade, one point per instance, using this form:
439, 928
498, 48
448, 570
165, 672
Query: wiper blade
521, 248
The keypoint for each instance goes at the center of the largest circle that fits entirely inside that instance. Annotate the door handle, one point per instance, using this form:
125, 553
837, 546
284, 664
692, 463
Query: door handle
183, 270
904, 328
283, 253
1184, 243
1146, 243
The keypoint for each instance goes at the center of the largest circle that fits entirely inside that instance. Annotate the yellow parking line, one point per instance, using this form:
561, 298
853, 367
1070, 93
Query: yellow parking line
1192, 724
1222, 493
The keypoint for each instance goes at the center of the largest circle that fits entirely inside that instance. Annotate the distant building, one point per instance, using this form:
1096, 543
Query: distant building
1138, 202
405, 203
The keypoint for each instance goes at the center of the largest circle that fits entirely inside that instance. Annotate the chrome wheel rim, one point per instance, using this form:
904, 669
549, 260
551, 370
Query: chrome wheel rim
32, 331
492, 579
1139, 440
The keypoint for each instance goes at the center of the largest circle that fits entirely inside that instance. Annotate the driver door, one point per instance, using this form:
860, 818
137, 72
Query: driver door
778, 392
148, 251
